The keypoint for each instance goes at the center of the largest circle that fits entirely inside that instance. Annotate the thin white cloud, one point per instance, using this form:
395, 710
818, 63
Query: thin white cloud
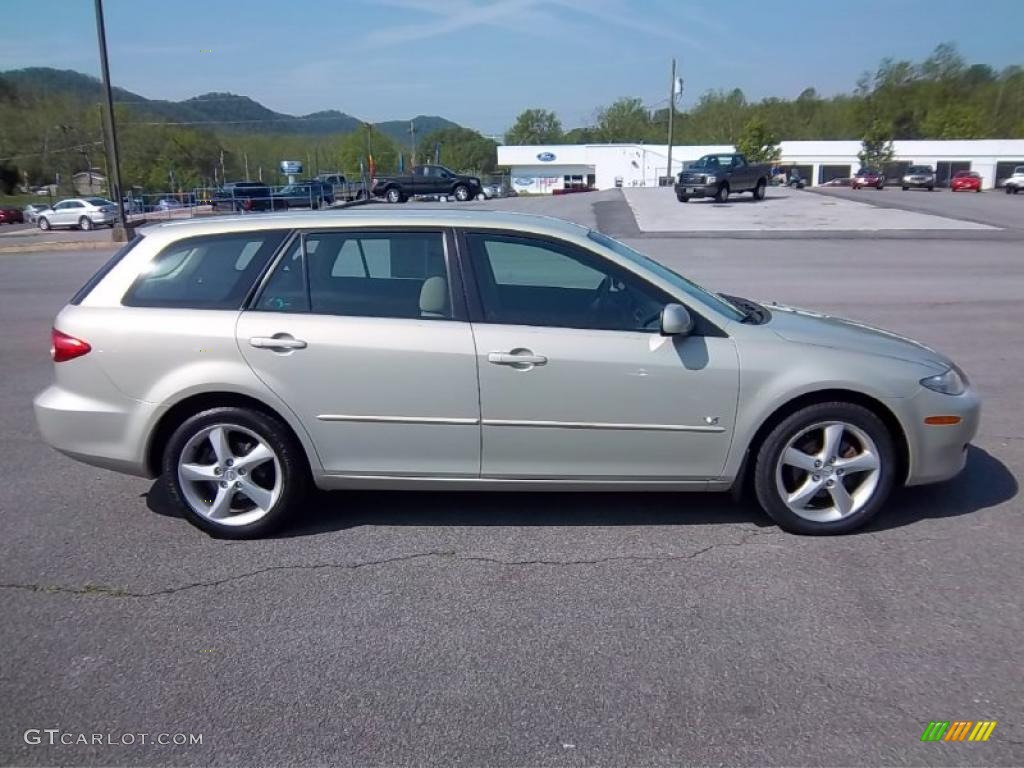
452, 17
616, 16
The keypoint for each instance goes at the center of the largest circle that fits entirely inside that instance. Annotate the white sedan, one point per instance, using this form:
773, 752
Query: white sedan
82, 212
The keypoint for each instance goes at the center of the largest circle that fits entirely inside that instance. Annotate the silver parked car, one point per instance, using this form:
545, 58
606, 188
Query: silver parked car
242, 358
919, 177
81, 212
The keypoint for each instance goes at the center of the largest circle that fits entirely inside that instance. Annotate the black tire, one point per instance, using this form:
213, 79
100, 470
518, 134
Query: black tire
682, 198
931, 189
291, 457
44, 224
394, 195
905, 189
759, 190
722, 195
771, 449
461, 193
85, 224
880, 187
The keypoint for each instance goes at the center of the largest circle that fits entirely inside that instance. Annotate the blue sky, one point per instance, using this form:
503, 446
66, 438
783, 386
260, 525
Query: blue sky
480, 62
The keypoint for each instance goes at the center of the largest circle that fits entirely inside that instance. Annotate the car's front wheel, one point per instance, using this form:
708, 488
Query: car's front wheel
44, 223
235, 473
759, 190
461, 193
825, 469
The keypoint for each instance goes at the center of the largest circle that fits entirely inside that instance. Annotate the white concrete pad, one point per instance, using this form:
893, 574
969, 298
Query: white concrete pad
657, 210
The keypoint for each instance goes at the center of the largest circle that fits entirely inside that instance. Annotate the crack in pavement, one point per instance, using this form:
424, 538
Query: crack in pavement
105, 591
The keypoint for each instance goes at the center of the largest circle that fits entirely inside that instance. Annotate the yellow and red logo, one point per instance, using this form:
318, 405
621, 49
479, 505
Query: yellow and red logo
958, 730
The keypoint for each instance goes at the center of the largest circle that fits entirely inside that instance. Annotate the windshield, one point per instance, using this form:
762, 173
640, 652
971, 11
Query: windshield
919, 169
712, 161
710, 300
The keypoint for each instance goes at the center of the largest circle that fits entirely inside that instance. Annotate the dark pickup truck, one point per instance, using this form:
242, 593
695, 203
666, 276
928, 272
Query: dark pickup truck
719, 176
427, 180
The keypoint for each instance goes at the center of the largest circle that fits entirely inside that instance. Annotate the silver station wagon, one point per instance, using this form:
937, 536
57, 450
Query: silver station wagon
241, 359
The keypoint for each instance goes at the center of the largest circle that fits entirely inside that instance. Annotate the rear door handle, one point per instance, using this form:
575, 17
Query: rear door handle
278, 341
517, 358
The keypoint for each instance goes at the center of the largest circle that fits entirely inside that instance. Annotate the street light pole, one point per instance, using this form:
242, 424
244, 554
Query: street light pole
671, 114
122, 231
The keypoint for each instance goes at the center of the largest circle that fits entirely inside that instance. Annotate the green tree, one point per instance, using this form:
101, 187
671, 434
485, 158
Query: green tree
953, 121
463, 149
876, 147
758, 142
355, 147
535, 126
625, 120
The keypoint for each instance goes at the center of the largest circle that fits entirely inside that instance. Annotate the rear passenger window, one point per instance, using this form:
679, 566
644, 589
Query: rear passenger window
210, 272
363, 274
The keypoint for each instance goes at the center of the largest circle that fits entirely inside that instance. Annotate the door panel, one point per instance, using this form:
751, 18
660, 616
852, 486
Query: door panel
605, 404
377, 395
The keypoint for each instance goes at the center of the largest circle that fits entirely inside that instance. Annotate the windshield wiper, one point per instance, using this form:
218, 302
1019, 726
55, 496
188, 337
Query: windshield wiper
752, 311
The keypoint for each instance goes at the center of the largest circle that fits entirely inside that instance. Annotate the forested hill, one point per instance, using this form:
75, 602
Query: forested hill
220, 112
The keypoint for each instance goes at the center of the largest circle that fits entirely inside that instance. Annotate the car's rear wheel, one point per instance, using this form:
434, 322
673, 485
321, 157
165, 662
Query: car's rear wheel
461, 193
235, 473
85, 223
825, 469
759, 190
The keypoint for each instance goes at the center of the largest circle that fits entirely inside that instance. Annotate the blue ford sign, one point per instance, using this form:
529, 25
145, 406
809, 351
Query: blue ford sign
522, 181
291, 167
546, 157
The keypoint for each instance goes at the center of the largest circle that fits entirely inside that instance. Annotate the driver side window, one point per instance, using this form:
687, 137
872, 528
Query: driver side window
541, 282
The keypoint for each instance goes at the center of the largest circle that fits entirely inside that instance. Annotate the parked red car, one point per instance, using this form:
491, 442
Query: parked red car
868, 177
966, 181
11, 216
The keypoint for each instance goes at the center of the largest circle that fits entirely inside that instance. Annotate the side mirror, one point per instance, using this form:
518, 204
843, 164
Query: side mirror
675, 320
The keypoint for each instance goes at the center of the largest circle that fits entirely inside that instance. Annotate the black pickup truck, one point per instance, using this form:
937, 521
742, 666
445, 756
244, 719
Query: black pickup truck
427, 180
719, 176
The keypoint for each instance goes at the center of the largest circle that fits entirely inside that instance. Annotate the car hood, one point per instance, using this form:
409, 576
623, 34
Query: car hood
807, 327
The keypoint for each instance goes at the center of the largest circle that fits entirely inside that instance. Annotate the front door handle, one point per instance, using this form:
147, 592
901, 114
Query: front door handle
523, 359
277, 341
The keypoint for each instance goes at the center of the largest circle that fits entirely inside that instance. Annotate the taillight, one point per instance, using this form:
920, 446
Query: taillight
64, 347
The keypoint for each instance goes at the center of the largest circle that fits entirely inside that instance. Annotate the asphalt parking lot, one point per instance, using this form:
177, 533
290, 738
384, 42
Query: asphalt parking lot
539, 629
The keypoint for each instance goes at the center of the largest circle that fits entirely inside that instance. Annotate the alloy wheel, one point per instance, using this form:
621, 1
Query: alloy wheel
229, 474
828, 471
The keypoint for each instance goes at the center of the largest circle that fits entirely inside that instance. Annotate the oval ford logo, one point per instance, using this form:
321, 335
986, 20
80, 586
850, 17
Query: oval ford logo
522, 181
546, 157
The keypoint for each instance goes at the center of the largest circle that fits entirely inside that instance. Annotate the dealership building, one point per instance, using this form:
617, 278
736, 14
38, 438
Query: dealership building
544, 169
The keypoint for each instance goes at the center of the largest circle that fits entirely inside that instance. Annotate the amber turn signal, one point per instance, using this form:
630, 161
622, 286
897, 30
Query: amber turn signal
942, 420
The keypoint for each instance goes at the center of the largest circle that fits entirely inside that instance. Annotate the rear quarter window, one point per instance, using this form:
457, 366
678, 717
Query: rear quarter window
103, 271
206, 272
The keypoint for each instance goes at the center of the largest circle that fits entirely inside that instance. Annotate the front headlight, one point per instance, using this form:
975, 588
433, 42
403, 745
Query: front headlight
952, 382
711, 179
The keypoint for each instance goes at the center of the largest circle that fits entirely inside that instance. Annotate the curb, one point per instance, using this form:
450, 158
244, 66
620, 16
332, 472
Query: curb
61, 245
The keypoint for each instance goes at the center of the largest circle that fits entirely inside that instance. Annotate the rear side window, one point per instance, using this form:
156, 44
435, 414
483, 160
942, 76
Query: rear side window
209, 272
363, 274
103, 271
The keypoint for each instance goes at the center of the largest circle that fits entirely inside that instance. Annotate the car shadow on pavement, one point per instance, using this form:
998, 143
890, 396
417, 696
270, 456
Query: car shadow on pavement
984, 483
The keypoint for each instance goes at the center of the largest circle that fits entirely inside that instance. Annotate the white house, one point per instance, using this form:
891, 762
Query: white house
543, 169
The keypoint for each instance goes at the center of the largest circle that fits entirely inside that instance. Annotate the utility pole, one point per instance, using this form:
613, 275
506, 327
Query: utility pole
245, 156
412, 133
122, 232
671, 114
223, 175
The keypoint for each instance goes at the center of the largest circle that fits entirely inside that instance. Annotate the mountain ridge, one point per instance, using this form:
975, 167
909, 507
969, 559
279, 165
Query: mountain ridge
220, 111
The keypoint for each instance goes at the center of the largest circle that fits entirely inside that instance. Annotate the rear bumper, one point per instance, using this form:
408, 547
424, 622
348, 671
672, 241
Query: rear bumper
107, 433
939, 452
